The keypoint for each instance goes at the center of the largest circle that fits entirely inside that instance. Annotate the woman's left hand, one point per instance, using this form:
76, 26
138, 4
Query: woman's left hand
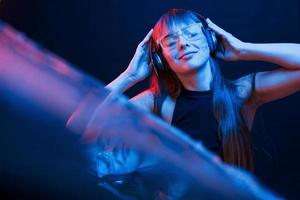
233, 47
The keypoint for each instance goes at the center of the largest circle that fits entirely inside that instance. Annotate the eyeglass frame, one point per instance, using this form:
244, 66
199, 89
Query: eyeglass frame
176, 32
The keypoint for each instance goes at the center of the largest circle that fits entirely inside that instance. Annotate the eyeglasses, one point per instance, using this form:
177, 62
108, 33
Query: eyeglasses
192, 32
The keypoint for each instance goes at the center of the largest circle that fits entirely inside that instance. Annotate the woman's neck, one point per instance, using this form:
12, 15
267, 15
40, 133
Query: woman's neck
198, 80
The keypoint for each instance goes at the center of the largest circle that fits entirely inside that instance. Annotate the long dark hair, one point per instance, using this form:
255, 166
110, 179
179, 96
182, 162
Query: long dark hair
227, 105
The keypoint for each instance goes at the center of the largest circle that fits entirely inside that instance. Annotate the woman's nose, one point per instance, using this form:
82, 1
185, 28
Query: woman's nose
182, 42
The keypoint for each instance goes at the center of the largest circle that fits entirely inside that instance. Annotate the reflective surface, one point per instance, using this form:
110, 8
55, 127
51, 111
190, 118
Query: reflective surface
134, 154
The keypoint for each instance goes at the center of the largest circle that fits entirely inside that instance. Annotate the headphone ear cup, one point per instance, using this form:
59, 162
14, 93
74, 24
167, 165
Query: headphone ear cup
156, 58
211, 38
158, 61
214, 40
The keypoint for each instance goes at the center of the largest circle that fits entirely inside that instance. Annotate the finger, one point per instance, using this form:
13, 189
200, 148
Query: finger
216, 28
148, 36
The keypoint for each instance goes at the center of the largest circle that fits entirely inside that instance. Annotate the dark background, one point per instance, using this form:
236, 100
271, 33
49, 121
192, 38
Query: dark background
100, 37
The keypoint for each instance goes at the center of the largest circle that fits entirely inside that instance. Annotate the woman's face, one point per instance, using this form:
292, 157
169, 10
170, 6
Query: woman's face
184, 46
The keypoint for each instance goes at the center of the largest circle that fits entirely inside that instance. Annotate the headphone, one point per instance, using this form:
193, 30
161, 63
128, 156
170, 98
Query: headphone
158, 62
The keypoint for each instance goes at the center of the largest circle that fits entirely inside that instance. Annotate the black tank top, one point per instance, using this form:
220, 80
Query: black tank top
194, 115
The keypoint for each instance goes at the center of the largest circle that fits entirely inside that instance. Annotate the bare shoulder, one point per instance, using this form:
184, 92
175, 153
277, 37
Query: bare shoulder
167, 109
245, 87
268, 86
144, 100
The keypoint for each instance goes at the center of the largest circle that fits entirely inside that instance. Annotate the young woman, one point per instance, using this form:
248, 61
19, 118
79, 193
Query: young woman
190, 92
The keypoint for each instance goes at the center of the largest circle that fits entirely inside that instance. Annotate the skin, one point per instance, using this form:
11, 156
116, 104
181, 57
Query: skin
193, 70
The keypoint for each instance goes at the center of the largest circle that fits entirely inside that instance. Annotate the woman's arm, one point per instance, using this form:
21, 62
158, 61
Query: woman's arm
137, 70
279, 83
286, 55
269, 85
123, 82
115, 157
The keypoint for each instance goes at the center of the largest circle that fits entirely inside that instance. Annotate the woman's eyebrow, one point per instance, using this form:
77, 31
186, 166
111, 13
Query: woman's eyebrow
169, 34
172, 31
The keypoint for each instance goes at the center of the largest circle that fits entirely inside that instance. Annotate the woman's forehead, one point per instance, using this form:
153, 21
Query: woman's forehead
172, 22
176, 24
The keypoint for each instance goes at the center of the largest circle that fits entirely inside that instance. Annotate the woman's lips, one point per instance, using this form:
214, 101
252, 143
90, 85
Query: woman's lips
187, 55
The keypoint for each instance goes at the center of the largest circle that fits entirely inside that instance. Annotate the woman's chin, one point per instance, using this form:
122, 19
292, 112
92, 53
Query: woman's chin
188, 69
194, 64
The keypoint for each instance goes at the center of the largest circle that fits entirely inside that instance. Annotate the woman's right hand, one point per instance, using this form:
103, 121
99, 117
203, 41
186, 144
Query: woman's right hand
139, 68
